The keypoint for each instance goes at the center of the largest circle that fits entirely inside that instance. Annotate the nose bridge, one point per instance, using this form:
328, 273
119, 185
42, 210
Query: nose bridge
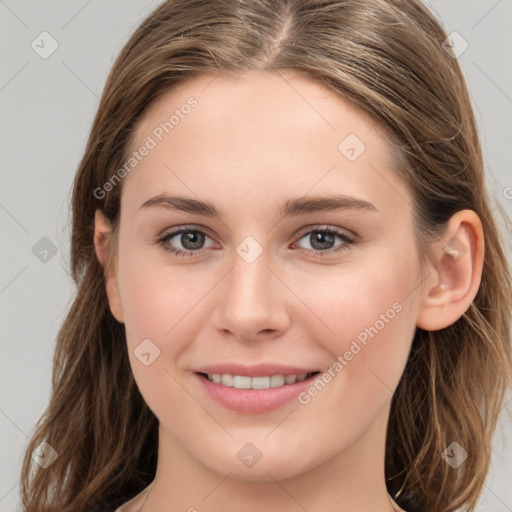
250, 298
251, 280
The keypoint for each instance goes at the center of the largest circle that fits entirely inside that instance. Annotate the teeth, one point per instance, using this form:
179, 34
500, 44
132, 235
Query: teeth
226, 380
277, 380
241, 382
259, 382
265, 382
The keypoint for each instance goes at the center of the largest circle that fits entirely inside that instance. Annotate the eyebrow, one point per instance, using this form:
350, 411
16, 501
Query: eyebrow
292, 207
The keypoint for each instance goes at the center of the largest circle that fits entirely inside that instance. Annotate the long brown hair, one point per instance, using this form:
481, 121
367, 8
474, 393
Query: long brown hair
385, 56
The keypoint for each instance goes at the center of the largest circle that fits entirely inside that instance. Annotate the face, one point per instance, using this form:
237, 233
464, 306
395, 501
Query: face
258, 289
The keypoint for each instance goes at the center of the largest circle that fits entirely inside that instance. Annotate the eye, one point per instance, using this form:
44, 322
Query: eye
191, 240
322, 241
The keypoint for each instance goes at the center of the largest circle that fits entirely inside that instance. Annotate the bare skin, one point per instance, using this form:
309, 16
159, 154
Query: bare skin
249, 145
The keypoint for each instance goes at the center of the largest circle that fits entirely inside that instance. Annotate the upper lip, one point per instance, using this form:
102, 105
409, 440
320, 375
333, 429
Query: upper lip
256, 370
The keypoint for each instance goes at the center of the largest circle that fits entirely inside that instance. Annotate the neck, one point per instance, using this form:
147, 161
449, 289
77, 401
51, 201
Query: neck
352, 480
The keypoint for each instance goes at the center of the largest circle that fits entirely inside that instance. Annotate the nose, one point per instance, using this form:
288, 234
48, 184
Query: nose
252, 302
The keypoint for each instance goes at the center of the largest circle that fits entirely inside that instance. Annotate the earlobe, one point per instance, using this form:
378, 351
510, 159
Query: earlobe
103, 246
450, 289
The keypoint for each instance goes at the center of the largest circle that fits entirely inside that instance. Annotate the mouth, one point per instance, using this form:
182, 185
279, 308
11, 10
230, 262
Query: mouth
258, 382
255, 388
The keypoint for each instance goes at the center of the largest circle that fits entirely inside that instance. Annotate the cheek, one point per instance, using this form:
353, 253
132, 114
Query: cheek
154, 295
160, 320
155, 304
366, 313
166, 305
373, 319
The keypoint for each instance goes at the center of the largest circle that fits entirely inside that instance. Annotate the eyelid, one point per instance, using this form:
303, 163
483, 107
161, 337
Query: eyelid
349, 239
300, 233
320, 227
176, 230
187, 227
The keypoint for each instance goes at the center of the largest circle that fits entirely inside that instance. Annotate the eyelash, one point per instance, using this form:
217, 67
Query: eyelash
348, 241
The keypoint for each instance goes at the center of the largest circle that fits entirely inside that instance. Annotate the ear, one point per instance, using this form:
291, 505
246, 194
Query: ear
103, 244
450, 288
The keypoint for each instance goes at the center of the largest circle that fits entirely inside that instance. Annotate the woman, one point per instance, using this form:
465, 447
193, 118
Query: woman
291, 286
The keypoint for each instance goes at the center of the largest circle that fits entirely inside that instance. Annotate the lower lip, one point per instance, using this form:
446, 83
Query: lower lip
252, 401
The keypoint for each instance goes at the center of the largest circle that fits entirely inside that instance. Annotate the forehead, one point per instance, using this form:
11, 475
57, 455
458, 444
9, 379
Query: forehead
281, 97
271, 131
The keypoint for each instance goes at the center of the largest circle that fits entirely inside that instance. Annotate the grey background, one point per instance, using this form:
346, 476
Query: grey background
47, 107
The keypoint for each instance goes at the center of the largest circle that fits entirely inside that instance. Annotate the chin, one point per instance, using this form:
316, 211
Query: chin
270, 467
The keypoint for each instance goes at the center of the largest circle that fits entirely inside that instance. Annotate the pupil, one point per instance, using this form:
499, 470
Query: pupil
194, 238
325, 238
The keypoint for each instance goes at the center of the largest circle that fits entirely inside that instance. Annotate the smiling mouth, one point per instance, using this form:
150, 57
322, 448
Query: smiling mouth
263, 382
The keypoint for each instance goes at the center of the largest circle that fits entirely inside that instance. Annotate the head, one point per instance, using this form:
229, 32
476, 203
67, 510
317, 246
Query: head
270, 106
